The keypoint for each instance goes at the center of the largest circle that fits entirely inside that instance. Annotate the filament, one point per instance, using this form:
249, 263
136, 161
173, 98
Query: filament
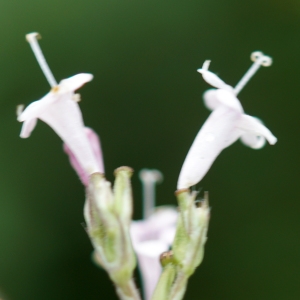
32, 40
149, 179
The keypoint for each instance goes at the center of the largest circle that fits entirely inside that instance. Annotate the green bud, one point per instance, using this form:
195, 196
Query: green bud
108, 216
190, 238
166, 280
123, 194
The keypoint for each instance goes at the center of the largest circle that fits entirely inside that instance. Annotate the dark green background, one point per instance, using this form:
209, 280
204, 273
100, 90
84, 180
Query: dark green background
146, 103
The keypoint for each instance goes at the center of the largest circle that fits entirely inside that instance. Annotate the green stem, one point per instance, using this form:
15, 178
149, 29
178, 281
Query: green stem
163, 287
179, 286
128, 291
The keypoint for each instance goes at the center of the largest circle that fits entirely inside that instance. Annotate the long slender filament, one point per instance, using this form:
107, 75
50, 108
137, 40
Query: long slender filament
32, 40
259, 60
149, 179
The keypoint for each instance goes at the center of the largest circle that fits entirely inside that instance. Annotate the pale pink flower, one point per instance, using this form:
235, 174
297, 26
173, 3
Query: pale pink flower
150, 238
60, 110
226, 124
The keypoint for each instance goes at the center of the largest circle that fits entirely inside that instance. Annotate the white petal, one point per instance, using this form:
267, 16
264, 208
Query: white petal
167, 235
218, 132
75, 82
253, 141
36, 108
148, 254
215, 98
254, 126
27, 128
150, 229
151, 248
212, 78
64, 116
163, 217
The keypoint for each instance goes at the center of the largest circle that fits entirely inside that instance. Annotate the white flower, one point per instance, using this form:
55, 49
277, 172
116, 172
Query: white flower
150, 238
60, 110
153, 235
224, 126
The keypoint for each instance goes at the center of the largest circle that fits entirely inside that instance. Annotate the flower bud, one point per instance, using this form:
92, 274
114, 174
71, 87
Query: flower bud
108, 221
188, 246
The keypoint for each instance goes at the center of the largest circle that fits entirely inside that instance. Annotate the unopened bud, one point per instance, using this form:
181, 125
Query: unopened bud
123, 194
108, 222
188, 246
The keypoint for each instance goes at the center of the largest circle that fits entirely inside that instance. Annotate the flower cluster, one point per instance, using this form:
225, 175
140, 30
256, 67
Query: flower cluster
108, 211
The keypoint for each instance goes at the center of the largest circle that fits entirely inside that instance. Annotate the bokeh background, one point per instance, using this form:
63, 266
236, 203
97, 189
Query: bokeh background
146, 103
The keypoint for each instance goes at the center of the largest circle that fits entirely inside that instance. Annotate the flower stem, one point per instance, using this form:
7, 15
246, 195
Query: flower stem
163, 288
179, 286
128, 291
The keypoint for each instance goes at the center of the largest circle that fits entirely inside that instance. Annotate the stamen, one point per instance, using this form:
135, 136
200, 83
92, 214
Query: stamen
77, 98
149, 179
19, 110
259, 59
32, 40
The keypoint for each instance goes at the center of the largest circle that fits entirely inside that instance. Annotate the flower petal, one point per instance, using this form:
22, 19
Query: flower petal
212, 78
218, 132
148, 254
215, 98
75, 82
162, 219
253, 126
253, 141
167, 235
27, 128
96, 148
64, 116
36, 108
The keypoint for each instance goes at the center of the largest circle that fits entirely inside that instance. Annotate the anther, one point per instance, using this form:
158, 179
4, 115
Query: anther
32, 40
19, 109
259, 59
76, 97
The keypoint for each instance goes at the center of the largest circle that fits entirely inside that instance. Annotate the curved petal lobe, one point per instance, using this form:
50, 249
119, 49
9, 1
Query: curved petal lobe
253, 125
27, 128
253, 141
75, 82
215, 98
36, 108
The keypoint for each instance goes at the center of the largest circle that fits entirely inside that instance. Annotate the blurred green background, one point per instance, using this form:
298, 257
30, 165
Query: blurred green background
146, 103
